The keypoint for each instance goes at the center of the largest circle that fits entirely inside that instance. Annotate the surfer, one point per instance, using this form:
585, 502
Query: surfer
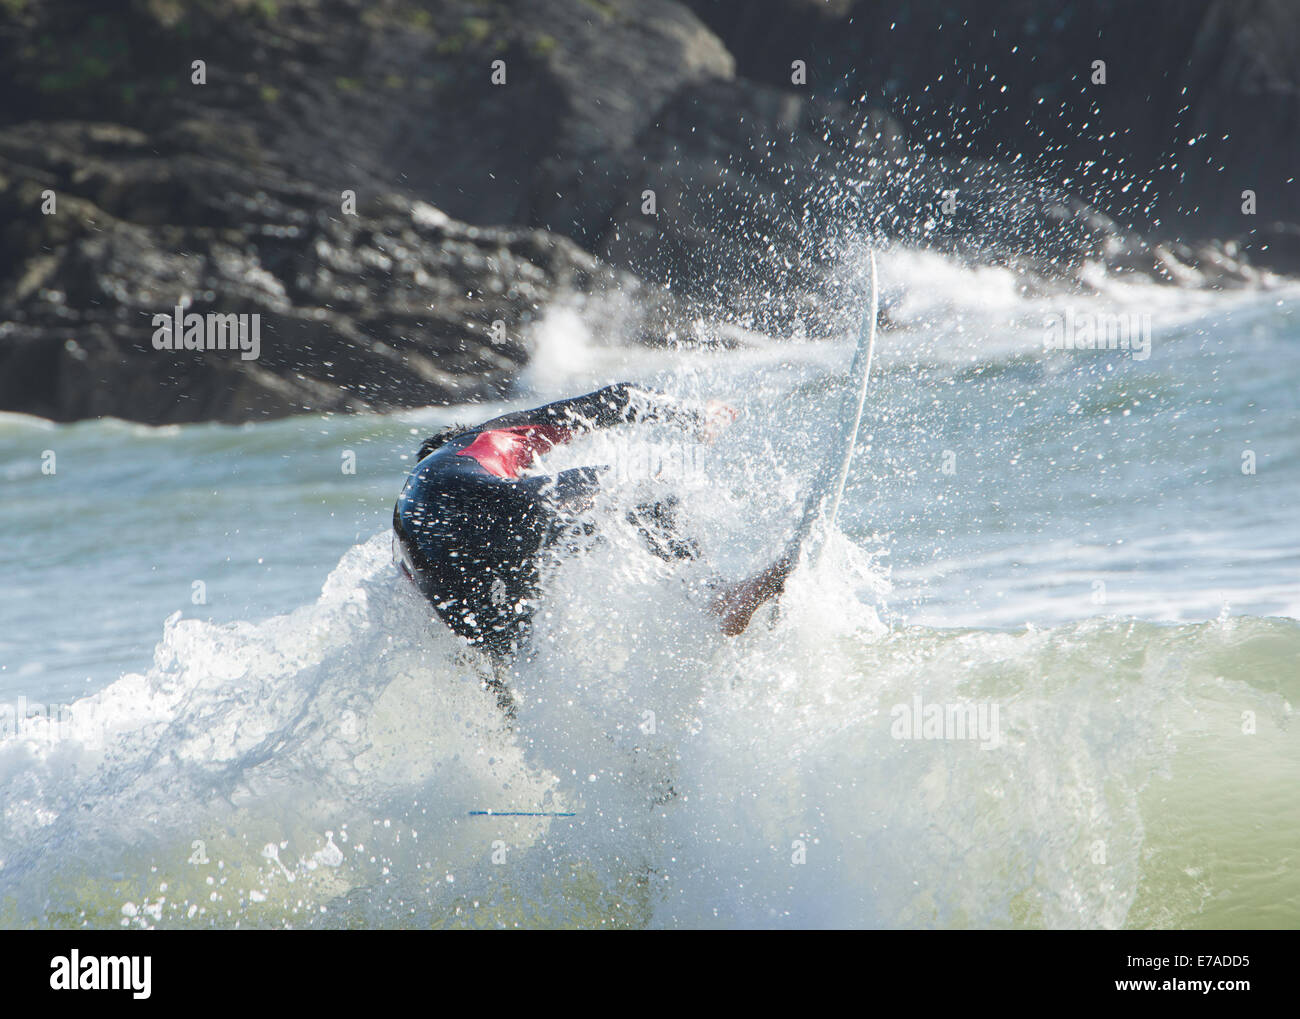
470, 525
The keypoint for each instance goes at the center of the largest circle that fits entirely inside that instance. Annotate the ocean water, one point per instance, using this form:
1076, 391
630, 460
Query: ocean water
1076, 571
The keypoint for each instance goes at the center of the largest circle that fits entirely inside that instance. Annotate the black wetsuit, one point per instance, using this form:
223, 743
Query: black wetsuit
469, 528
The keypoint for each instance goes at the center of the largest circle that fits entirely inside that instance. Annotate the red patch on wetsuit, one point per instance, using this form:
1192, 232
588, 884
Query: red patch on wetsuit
507, 451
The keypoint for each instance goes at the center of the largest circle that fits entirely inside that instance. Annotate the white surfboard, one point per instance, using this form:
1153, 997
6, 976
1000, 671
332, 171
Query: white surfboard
823, 502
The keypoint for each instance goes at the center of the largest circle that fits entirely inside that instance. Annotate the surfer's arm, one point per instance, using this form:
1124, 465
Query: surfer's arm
569, 491
621, 403
738, 603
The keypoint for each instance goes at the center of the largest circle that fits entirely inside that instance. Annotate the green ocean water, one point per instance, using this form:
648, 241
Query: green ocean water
306, 746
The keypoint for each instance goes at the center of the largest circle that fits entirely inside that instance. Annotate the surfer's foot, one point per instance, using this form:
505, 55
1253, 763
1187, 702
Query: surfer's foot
738, 603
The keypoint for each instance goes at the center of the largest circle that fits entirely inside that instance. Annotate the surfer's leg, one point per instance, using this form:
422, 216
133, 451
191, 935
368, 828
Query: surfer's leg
492, 673
738, 603
498, 685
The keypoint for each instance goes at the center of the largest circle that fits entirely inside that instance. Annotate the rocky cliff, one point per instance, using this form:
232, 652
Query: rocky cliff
398, 189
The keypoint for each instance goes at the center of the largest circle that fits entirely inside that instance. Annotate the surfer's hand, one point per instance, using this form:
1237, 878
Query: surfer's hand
738, 603
717, 418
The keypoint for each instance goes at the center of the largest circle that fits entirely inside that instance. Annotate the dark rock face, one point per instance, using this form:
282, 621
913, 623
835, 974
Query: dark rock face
228, 197
393, 306
1201, 100
479, 203
761, 194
